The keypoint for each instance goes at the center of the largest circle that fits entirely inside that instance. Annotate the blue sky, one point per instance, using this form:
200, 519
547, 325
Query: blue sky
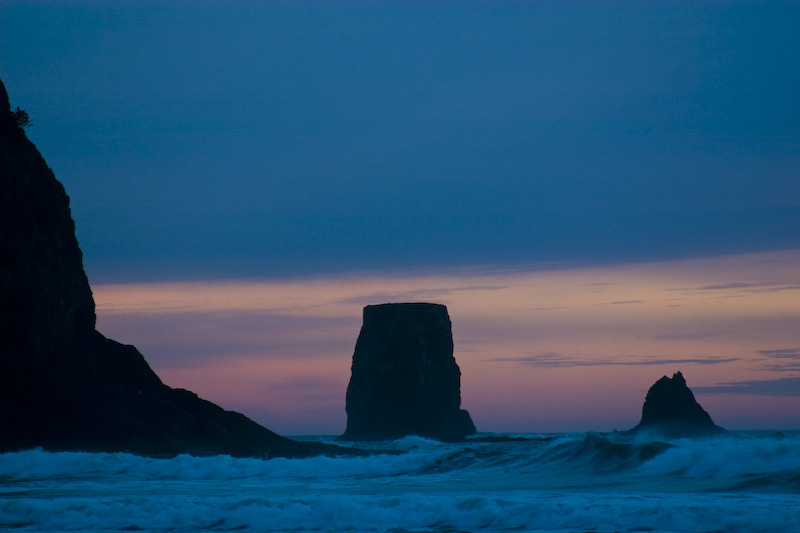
300, 138
601, 192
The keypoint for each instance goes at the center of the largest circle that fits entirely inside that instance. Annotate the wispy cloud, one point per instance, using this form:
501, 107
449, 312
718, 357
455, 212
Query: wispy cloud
783, 353
781, 360
746, 286
782, 387
687, 336
558, 360
739, 285
416, 295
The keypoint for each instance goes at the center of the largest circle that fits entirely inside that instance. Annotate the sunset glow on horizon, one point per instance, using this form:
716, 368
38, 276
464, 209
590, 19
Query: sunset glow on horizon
530, 345
601, 194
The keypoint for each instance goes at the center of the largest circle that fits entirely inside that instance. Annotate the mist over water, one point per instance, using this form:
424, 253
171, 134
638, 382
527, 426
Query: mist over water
548, 482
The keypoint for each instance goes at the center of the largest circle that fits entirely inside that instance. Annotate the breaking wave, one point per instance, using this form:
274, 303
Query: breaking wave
543, 482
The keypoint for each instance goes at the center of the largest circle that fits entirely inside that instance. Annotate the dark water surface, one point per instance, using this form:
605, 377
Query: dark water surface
741, 481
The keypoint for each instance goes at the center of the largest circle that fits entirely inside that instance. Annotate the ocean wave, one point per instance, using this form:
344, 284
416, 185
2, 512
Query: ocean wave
35, 465
593, 454
773, 459
143, 509
577, 482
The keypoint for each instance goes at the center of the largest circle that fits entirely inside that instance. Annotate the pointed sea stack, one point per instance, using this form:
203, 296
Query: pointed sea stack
63, 385
405, 380
670, 410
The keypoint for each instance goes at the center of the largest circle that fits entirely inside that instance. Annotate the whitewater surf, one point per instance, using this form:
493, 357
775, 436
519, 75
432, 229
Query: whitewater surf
740, 481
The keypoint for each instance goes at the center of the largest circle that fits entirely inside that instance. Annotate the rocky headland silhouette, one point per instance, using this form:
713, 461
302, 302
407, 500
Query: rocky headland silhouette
63, 385
405, 380
670, 410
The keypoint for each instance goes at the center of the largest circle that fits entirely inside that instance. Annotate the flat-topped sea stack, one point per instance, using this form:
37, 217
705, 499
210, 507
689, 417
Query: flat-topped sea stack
405, 380
670, 410
63, 385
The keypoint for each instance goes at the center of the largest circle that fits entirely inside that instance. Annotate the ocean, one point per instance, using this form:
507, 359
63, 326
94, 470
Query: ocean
576, 482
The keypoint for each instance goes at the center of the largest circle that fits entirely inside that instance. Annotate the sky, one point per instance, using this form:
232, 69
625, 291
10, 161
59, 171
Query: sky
601, 193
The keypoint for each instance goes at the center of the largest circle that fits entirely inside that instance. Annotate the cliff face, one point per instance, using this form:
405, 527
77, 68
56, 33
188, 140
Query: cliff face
46, 302
63, 386
46, 311
670, 409
405, 380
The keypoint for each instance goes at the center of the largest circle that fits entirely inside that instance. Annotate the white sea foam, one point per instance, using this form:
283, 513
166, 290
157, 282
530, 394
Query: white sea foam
578, 482
730, 456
